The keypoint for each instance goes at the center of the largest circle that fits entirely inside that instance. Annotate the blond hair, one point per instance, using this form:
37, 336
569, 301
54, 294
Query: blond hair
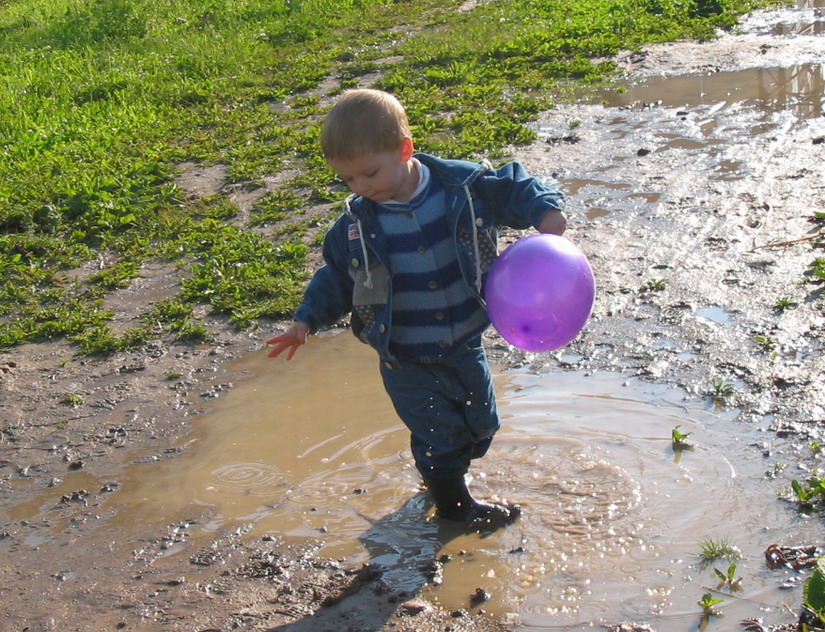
364, 121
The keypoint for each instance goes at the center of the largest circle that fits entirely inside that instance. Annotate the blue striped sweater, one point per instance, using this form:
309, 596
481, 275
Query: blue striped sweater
433, 310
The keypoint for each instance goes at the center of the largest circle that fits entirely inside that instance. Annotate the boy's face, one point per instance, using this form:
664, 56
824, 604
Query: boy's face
382, 176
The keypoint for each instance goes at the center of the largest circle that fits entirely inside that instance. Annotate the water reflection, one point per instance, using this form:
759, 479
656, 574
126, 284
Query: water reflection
799, 27
797, 88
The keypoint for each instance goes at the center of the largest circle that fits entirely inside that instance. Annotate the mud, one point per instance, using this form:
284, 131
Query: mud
695, 207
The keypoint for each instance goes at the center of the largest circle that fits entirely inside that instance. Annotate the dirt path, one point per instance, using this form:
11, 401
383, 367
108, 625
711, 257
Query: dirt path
697, 219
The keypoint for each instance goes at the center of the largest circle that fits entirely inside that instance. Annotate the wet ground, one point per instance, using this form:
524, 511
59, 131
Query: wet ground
212, 489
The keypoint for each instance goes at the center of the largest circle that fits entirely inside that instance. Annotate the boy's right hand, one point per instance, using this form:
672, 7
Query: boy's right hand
291, 339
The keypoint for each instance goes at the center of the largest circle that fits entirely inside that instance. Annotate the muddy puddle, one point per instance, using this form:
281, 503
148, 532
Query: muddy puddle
798, 89
711, 122
806, 20
613, 516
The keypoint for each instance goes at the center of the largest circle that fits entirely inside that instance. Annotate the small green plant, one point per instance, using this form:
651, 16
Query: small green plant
99, 341
814, 594
817, 269
714, 550
721, 391
810, 492
215, 207
173, 375
729, 578
654, 285
708, 605
117, 276
72, 400
679, 439
679, 442
275, 206
784, 303
193, 331
766, 342
708, 602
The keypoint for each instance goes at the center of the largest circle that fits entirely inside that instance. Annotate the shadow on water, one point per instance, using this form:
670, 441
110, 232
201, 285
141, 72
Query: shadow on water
403, 549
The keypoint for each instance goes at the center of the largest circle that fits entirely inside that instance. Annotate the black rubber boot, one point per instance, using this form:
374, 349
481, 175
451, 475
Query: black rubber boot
454, 502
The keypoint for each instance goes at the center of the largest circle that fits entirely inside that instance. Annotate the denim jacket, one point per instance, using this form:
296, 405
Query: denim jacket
356, 277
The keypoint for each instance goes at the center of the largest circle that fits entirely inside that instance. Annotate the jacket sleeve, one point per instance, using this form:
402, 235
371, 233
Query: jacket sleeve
328, 297
518, 199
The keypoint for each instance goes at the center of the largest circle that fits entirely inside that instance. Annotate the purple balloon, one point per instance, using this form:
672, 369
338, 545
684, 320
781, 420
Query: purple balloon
540, 292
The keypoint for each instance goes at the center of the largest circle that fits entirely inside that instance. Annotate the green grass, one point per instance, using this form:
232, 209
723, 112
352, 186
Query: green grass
717, 549
102, 99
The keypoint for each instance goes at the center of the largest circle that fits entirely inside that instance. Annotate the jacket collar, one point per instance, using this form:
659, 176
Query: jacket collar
451, 173
458, 173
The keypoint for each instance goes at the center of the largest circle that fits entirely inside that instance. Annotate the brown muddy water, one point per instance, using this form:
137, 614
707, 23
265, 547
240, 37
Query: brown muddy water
613, 516
798, 89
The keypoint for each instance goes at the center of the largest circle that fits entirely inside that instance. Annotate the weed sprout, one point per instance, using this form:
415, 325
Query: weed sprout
721, 549
784, 303
721, 391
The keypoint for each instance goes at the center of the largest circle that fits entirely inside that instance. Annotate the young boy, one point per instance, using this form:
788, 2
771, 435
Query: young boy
408, 259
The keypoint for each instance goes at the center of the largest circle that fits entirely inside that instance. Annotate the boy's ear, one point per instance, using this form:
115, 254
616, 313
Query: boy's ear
407, 148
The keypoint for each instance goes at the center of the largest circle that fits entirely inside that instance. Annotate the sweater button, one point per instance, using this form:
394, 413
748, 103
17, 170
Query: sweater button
479, 222
439, 315
388, 364
421, 250
433, 285
382, 328
355, 263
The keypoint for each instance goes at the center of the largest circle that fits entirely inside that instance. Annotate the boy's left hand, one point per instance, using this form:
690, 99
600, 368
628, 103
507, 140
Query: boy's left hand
291, 339
553, 223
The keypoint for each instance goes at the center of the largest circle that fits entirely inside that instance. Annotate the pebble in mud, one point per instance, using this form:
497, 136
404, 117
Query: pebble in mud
413, 607
435, 572
479, 597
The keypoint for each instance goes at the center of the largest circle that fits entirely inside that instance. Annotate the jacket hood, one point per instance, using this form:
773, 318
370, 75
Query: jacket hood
459, 173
